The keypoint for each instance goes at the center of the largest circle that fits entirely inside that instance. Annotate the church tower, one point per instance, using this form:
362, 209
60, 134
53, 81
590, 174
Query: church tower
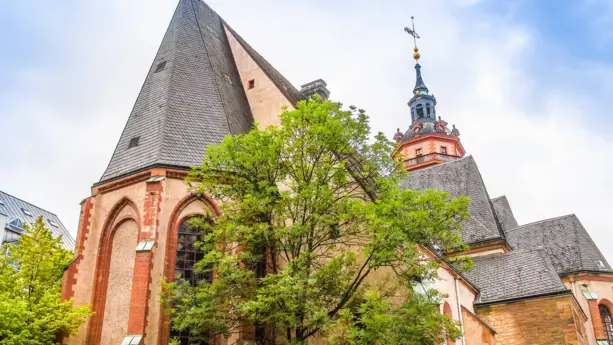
428, 141
205, 82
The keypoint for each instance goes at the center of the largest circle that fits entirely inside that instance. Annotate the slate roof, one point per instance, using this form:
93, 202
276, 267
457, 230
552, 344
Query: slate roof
13, 207
192, 96
504, 213
514, 275
564, 240
461, 177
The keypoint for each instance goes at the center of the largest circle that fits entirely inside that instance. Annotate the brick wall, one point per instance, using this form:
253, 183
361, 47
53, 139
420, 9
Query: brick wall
475, 331
543, 321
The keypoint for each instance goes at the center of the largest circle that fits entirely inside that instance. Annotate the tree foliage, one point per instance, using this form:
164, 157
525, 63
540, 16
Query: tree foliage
316, 239
31, 309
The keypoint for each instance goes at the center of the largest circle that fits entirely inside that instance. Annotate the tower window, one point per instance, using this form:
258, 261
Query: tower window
418, 152
133, 142
428, 109
607, 322
443, 150
420, 111
160, 66
251, 84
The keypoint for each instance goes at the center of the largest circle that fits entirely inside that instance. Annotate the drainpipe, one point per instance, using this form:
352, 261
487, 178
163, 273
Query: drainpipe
459, 303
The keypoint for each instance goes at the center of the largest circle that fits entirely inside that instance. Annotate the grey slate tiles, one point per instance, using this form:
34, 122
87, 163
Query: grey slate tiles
13, 208
514, 275
461, 177
191, 97
504, 213
564, 240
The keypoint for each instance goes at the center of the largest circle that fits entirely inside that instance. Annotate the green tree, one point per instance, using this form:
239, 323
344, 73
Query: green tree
316, 239
31, 309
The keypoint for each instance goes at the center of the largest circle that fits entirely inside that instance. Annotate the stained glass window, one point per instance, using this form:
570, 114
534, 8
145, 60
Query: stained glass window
187, 255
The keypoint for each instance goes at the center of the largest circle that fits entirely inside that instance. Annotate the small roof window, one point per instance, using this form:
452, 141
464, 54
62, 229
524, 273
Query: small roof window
228, 79
160, 67
1, 202
26, 212
132, 339
53, 223
133, 142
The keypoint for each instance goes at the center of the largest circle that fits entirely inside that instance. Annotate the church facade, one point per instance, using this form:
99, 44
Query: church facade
539, 283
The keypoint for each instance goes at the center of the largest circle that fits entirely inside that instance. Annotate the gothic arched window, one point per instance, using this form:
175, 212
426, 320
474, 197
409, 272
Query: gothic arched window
420, 111
607, 322
188, 255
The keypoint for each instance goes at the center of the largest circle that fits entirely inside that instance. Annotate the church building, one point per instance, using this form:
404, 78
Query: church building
540, 283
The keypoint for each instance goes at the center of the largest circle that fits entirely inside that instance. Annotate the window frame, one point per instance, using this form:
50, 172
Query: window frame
607, 322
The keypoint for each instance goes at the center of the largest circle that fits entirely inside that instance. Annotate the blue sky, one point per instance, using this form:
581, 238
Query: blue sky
528, 84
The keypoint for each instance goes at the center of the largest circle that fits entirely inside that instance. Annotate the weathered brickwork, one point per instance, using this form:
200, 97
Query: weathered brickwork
475, 331
70, 277
543, 321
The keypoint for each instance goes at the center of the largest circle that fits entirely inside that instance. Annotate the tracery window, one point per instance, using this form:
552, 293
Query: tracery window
187, 255
607, 322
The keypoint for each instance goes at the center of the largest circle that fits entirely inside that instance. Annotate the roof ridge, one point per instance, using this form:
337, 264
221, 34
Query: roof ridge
499, 197
38, 207
542, 221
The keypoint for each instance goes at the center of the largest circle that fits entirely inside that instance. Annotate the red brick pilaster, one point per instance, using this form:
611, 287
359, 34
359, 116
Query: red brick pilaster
142, 265
70, 276
596, 321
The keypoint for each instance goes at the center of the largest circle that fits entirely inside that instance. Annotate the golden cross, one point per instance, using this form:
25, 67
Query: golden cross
412, 32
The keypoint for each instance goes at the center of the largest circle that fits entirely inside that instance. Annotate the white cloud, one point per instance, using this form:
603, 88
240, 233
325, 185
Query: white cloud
532, 138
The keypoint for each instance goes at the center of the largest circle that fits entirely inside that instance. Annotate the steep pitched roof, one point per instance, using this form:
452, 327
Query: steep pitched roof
564, 240
504, 213
461, 177
514, 275
192, 96
13, 208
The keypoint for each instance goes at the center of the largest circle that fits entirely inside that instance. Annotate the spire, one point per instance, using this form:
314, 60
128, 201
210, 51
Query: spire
192, 96
420, 86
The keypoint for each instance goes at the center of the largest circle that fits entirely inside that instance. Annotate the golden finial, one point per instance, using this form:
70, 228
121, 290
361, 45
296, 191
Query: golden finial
412, 32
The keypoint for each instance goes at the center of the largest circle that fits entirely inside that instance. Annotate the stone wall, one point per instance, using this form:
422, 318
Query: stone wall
542, 321
265, 99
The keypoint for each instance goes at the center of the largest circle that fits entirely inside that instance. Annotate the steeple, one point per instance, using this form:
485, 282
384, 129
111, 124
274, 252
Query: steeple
193, 94
428, 140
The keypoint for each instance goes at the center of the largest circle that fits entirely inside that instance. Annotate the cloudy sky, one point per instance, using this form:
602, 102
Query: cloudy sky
528, 84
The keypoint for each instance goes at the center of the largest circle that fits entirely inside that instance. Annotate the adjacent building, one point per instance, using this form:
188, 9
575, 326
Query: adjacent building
14, 213
539, 283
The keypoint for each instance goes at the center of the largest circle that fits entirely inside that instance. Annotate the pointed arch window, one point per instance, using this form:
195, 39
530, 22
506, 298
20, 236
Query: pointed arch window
187, 256
607, 322
420, 111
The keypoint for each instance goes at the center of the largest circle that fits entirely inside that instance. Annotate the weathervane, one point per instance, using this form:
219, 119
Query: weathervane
415, 37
